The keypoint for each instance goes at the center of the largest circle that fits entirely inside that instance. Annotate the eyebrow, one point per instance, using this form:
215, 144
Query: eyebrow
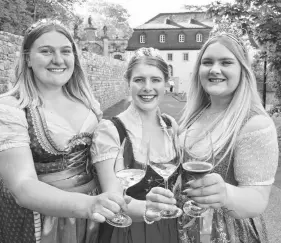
55, 47
221, 59
151, 77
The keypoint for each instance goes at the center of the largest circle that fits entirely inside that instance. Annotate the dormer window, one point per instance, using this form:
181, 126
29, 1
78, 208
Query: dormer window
181, 37
142, 38
199, 37
162, 38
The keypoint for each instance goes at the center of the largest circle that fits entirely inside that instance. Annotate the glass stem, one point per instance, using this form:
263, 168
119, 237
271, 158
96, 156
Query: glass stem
124, 194
166, 183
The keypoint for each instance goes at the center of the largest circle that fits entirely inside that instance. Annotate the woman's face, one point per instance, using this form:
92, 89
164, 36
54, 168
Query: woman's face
52, 60
219, 71
147, 86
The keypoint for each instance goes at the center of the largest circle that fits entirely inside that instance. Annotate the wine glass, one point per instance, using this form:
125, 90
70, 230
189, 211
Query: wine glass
166, 165
129, 171
198, 161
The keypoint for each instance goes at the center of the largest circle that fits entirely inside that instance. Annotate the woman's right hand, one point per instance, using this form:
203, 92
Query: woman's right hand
106, 205
157, 200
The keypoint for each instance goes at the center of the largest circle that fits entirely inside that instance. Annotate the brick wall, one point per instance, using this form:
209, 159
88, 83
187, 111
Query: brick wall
105, 75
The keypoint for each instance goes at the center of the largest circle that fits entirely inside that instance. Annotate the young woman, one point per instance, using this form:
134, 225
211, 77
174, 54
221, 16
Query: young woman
147, 74
47, 121
223, 99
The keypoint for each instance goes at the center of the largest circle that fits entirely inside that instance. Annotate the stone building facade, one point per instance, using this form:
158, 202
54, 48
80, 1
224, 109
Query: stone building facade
104, 73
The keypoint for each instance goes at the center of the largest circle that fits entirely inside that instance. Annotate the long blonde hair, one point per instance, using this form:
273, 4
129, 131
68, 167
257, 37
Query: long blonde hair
25, 88
245, 98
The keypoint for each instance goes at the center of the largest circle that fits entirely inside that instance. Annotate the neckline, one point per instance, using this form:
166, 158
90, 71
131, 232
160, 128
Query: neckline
58, 148
64, 121
135, 115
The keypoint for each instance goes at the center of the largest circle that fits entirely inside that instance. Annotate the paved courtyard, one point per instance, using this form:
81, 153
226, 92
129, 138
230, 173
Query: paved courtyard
173, 107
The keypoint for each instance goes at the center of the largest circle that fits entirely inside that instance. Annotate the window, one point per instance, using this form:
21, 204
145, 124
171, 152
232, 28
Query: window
142, 38
199, 37
162, 38
181, 37
185, 56
170, 57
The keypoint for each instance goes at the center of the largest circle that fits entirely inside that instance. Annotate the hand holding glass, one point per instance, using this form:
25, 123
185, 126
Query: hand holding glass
198, 161
129, 172
165, 168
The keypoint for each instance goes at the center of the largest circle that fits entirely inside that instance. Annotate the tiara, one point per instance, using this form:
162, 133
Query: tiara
42, 22
232, 30
147, 52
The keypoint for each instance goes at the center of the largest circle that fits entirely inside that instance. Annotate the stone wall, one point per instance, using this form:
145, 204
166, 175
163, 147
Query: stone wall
105, 74
9, 52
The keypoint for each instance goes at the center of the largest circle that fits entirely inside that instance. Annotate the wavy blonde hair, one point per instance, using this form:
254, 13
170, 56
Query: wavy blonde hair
25, 89
245, 98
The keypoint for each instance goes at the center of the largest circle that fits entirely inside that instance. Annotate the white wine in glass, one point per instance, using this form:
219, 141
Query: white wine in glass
166, 167
129, 171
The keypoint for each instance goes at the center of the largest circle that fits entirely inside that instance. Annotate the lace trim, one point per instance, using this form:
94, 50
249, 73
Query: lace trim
43, 135
40, 133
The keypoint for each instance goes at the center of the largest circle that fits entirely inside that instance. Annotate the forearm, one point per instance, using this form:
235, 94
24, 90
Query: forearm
246, 202
48, 200
136, 209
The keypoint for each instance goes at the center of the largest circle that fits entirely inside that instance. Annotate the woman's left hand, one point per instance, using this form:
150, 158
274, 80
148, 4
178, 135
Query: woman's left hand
158, 200
208, 191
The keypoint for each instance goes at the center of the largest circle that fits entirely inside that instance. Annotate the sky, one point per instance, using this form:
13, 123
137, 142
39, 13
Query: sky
143, 10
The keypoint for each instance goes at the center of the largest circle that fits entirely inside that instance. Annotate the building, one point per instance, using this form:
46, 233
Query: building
179, 37
110, 47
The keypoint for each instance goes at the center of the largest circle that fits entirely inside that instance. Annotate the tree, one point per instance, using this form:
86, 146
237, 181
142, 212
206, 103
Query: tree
196, 8
62, 10
17, 15
114, 16
14, 17
261, 19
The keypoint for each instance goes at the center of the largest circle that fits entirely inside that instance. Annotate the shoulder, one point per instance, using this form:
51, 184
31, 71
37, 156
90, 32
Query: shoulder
257, 123
105, 124
11, 111
9, 101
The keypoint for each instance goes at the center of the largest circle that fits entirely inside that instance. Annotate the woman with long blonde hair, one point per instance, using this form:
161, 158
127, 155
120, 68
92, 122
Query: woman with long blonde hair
48, 186
223, 99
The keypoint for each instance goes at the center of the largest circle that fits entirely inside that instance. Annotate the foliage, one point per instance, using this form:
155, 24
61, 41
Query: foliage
14, 17
112, 15
196, 8
17, 15
261, 19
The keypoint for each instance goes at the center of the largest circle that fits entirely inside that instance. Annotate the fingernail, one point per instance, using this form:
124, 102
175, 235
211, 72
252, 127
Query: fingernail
189, 182
187, 191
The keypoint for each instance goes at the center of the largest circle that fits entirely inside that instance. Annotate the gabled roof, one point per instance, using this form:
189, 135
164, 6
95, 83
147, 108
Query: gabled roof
178, 20
172, 24
191, 24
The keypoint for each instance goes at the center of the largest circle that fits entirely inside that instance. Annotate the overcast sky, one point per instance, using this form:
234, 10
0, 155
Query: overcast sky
143, 10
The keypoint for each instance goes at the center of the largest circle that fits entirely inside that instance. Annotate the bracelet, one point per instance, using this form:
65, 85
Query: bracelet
146, 220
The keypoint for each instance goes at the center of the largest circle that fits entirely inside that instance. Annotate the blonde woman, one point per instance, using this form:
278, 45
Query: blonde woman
223, 99
48, 186
147, 74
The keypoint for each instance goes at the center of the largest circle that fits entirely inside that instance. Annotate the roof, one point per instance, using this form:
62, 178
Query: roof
183, 19
172, 24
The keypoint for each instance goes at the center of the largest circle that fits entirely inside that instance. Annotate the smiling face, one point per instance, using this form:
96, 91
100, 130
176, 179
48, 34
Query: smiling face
147, 85
219, 71
52, 60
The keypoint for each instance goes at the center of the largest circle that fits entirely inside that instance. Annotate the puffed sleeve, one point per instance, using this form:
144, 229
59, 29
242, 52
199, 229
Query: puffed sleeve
13, 128
256, 157
106, 142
